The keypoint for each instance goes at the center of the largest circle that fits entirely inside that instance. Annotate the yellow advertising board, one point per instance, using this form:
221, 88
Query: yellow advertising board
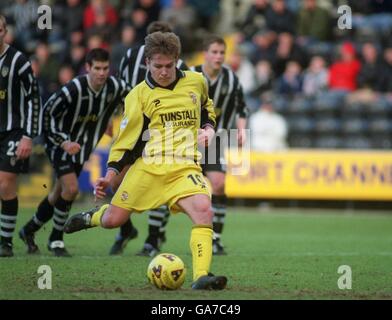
310, 174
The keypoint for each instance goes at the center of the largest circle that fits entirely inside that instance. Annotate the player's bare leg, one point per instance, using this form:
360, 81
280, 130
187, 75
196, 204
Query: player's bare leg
106, 216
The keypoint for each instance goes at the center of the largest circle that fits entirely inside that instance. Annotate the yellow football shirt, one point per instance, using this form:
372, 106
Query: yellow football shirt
172, 116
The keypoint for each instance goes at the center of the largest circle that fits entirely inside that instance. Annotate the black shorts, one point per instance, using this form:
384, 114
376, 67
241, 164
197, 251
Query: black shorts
63, 165
9, 141
213, 156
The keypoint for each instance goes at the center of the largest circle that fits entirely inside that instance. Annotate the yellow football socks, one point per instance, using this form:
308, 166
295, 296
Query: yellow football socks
96, 218
201, 247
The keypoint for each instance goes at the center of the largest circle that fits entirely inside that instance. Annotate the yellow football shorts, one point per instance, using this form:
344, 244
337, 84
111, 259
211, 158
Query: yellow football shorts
148, 186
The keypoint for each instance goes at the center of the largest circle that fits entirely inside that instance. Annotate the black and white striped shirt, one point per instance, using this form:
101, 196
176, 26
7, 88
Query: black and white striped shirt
20, 102
226, 93
79, 114
133, 67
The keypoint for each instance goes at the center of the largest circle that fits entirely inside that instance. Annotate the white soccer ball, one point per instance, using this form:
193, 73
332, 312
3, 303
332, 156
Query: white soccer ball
166, 271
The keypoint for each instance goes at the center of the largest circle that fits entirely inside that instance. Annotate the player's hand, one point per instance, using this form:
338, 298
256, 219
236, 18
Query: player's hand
71, 147
24, 148
100, 188
241, 137
205, 136
102, 184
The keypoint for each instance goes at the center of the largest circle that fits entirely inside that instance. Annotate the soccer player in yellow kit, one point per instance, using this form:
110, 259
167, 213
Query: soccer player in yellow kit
161, 130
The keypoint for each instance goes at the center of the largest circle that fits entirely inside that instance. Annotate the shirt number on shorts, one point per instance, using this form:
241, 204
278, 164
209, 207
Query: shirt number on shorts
12, 145
197, 180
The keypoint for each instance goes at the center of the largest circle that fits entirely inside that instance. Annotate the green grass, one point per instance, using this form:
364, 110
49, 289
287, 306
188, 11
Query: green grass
279, 254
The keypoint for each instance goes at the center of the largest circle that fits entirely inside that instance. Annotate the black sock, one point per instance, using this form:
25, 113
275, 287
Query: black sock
61, 211
9, 211
126, 229
156, 219
44, 214
219, 204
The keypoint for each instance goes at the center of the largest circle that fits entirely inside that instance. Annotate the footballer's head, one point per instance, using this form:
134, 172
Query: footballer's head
97, 66
214, 48
162, 50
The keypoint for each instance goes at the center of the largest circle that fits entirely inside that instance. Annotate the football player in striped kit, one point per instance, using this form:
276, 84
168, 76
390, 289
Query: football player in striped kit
20, 122
74, 120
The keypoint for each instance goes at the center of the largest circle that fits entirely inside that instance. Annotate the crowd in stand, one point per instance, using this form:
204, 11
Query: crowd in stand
292, 48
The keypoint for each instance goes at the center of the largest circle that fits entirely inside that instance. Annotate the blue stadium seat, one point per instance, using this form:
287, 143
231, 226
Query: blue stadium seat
329, 141
381, 141
300, 124
381, 125
300, 141
300, 105
327, 125
356, 141
354, 126
329, 101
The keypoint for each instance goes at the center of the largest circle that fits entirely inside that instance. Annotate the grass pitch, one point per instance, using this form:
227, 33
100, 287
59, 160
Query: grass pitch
277, 254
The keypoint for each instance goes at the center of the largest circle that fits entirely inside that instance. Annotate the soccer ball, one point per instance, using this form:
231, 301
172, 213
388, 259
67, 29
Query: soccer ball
166, 271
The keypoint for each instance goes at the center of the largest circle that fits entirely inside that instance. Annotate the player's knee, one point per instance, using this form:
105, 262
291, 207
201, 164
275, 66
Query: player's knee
71, 192
110, 221
7, 189
218, 186
204, 212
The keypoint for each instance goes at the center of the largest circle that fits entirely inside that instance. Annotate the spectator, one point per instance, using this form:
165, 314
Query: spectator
344, 72
101, 27
76, 58
255, 19
268, 129
99, 7
66, 74
315, 77
314, 22
264, 82
386, 73
182, 19
290, 83
369, 75
23, 15
48, 66
279, 18
73, 16
285, 51
119, 49
207, 11
262, 46
244, 70
143, 13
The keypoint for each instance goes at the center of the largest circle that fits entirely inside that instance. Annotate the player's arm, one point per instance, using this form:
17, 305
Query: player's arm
54, 114
207, 122
130, 130
242, 114
32, 110
120, 155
